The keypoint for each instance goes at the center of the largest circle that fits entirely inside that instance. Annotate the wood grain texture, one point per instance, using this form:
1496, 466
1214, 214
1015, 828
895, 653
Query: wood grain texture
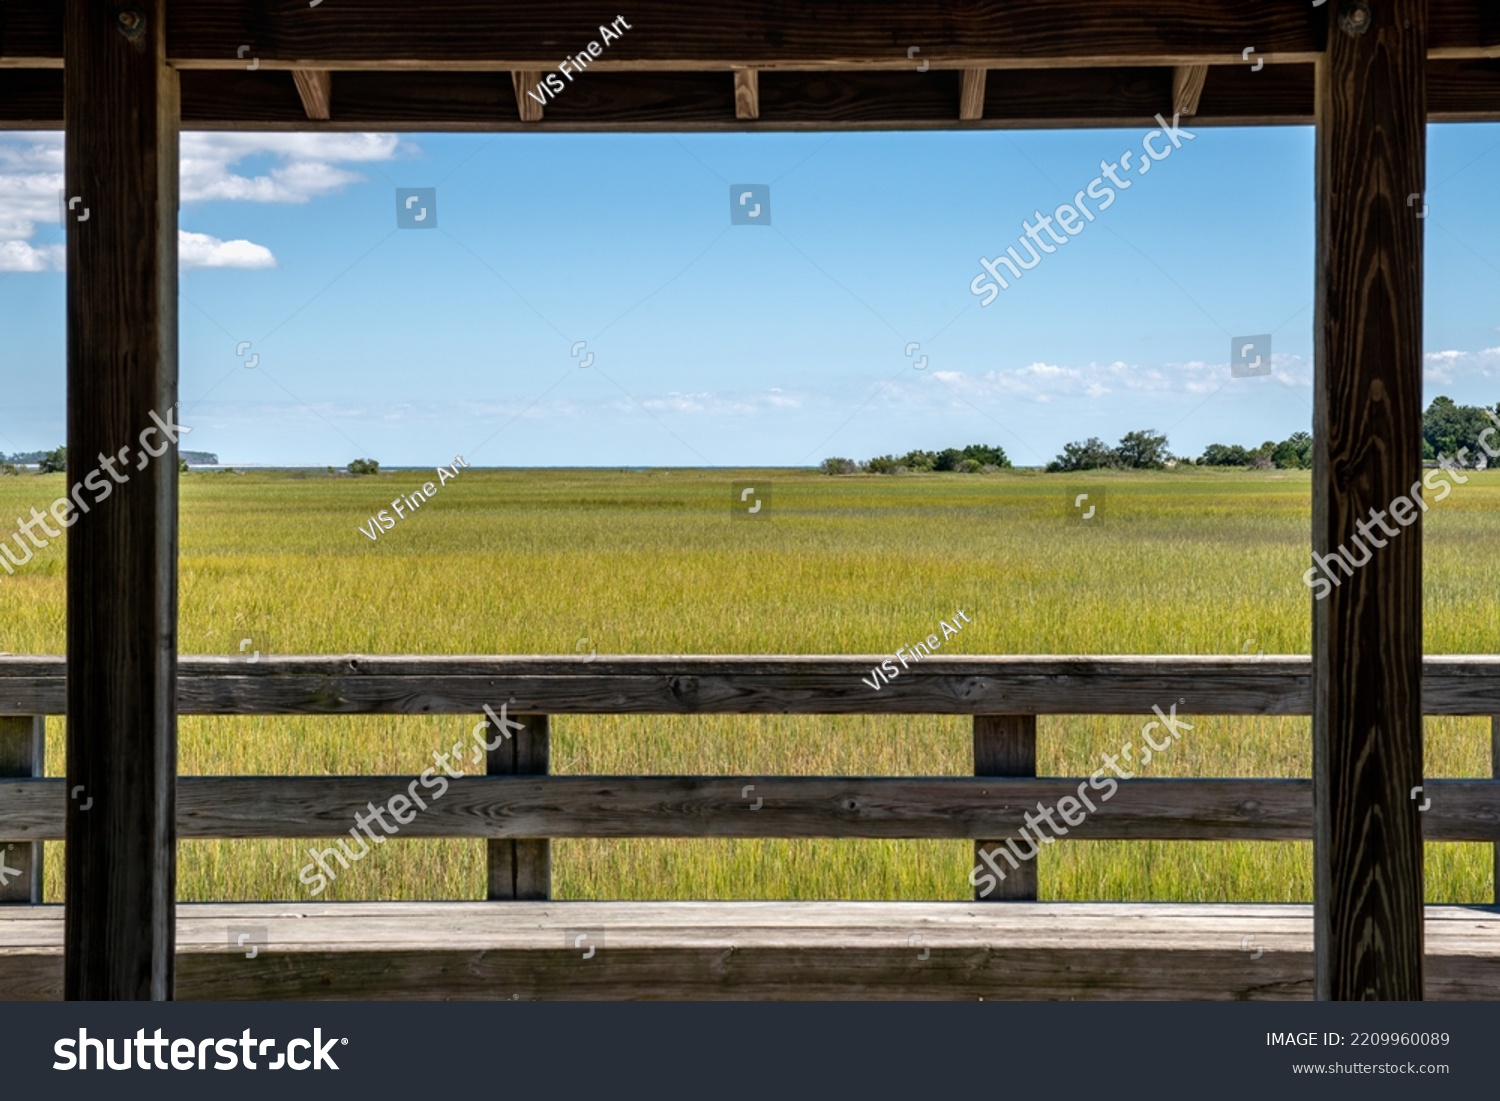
712, 806
971, 94
1495, 772
1179, 31
122, 163
1367, 632
755, 950
746, 94
1005, 745
1187, 88
520, 868
522, 82
364, 685
229, 99
315, 87
667, 34
23, 746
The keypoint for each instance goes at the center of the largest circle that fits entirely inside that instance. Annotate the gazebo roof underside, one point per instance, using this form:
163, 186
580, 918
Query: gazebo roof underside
465, 64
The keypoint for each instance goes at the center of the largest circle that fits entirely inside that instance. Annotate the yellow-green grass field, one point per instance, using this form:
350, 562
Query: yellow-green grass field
651, 562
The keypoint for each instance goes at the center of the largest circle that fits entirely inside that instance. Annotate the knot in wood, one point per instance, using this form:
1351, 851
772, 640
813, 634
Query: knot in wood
131, 21
1354, 17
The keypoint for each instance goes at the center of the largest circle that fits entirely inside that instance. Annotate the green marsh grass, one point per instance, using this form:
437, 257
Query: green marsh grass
650, 562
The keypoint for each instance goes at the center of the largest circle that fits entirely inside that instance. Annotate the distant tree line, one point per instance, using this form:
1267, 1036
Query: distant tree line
1292, 453
977, 458
56, 460
1448, 429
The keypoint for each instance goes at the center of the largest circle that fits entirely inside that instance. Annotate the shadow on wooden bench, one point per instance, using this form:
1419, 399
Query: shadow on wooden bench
749, 950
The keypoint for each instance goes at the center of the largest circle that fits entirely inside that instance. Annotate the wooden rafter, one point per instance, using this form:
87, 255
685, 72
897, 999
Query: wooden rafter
746, 94
524, 82
1187, 88
971, 94
315, 87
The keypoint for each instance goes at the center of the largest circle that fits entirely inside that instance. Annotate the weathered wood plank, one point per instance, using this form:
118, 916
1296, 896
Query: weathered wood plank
1495, 772
1367, 629
356, 684
746, 94
794, 806
1187, 88
23, 747
521, 867
1005, 745
315, 87
122, 166
799, 950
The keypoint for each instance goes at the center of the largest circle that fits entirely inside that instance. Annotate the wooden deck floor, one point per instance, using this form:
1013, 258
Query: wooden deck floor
750, 950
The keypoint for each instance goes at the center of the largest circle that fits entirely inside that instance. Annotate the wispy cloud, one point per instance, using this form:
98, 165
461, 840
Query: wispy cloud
199, 250
1443, 368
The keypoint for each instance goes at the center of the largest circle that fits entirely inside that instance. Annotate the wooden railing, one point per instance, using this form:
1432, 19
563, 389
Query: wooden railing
518, 806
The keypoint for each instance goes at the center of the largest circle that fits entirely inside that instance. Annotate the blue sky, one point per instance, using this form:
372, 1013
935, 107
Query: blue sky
724, 345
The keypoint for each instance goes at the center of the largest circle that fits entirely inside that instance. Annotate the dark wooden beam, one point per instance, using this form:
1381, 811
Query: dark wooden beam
1367, 631
122, 167
315, 86
667, 34
746, 94
1187, 87
1457, 91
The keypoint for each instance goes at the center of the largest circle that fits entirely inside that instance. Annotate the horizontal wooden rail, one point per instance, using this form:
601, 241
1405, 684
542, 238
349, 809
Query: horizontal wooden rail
358, 685
791, 806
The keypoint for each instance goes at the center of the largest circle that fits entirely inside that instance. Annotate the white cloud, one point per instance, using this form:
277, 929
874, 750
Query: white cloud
21, 256
306, 166
1044, 382
199, 250
290, 168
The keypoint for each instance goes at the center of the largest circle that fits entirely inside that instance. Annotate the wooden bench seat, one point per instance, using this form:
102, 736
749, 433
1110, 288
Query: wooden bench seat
749, 950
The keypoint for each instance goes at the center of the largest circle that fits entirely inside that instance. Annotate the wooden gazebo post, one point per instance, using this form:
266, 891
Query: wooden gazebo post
1367, 633
121, 109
